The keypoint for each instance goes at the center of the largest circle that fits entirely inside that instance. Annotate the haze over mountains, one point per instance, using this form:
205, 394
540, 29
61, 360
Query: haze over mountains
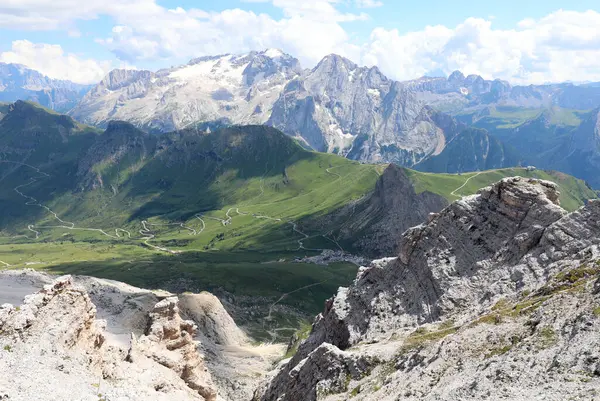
339, 107
18, 82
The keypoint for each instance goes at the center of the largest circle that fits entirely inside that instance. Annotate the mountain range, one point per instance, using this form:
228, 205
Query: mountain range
458, 93
18, 82
453, 124
490, 270
122, 175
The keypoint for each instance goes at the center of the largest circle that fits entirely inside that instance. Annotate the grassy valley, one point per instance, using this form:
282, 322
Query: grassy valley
190, 211
573, 192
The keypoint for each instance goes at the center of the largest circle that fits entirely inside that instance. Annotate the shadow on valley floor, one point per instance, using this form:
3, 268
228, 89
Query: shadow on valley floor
240, 279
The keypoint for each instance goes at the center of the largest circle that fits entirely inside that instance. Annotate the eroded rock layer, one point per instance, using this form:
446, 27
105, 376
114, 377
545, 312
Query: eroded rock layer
465, 308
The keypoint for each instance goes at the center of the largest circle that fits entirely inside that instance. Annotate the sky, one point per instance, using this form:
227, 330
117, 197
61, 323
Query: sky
522, 41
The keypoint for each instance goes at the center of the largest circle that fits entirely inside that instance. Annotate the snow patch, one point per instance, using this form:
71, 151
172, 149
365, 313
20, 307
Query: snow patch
374, 92
273, 53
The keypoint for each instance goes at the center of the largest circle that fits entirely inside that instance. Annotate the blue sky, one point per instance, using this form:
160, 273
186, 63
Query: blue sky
526, 41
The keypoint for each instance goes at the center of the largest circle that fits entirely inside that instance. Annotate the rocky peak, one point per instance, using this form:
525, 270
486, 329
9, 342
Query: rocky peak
509, 239
20, 82
334, 63
53, 343
586, 137
270, 62
384, 215
456, 77
42, 318
120, 78
501, 86
484, 246
17, 75
477, 84
169, 341
20, 77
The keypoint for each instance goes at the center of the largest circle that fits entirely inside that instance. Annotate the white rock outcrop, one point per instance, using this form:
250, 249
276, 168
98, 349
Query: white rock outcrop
83, 338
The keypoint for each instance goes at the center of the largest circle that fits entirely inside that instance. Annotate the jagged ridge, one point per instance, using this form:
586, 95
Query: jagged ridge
510, 238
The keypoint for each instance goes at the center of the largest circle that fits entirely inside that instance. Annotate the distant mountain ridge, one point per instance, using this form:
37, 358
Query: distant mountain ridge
357, 112
18, 82
234, 89
459, 92
336, 107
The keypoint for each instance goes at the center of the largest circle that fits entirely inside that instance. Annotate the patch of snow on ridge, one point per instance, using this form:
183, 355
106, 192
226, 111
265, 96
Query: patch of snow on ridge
220, 70
273, 53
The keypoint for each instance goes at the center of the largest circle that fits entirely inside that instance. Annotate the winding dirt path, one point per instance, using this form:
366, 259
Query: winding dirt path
147, 235
282, 297
453, 193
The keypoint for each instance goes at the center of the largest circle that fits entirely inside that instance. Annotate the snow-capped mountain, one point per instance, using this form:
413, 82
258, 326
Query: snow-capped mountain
336, 107
235, 89
18, 82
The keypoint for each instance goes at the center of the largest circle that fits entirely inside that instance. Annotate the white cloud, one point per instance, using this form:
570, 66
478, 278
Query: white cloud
52, 61
564, 45
368, 3
309, 30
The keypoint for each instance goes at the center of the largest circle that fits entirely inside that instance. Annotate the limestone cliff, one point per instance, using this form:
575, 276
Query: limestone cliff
463, 309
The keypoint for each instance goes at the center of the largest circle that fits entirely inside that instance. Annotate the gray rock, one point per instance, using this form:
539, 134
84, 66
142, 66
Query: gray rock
18, 82
509, 239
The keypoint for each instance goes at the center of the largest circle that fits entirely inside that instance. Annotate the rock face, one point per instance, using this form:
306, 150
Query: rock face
511, 242
583, 155
18, 82
471, 150
376, 222
142, 348
169, 341
60, 321
357, 111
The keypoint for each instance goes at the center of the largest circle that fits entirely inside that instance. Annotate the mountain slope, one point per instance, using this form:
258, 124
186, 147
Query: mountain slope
490, 284
580, 153
123, 176
273, 189
471, 150
18, 82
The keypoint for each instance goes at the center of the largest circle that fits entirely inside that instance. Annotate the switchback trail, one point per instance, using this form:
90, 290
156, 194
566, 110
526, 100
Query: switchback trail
147, 235
68, 225
453, 193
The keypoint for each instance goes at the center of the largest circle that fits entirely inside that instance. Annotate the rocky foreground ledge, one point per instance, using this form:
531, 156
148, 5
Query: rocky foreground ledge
496, 297
81, 338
